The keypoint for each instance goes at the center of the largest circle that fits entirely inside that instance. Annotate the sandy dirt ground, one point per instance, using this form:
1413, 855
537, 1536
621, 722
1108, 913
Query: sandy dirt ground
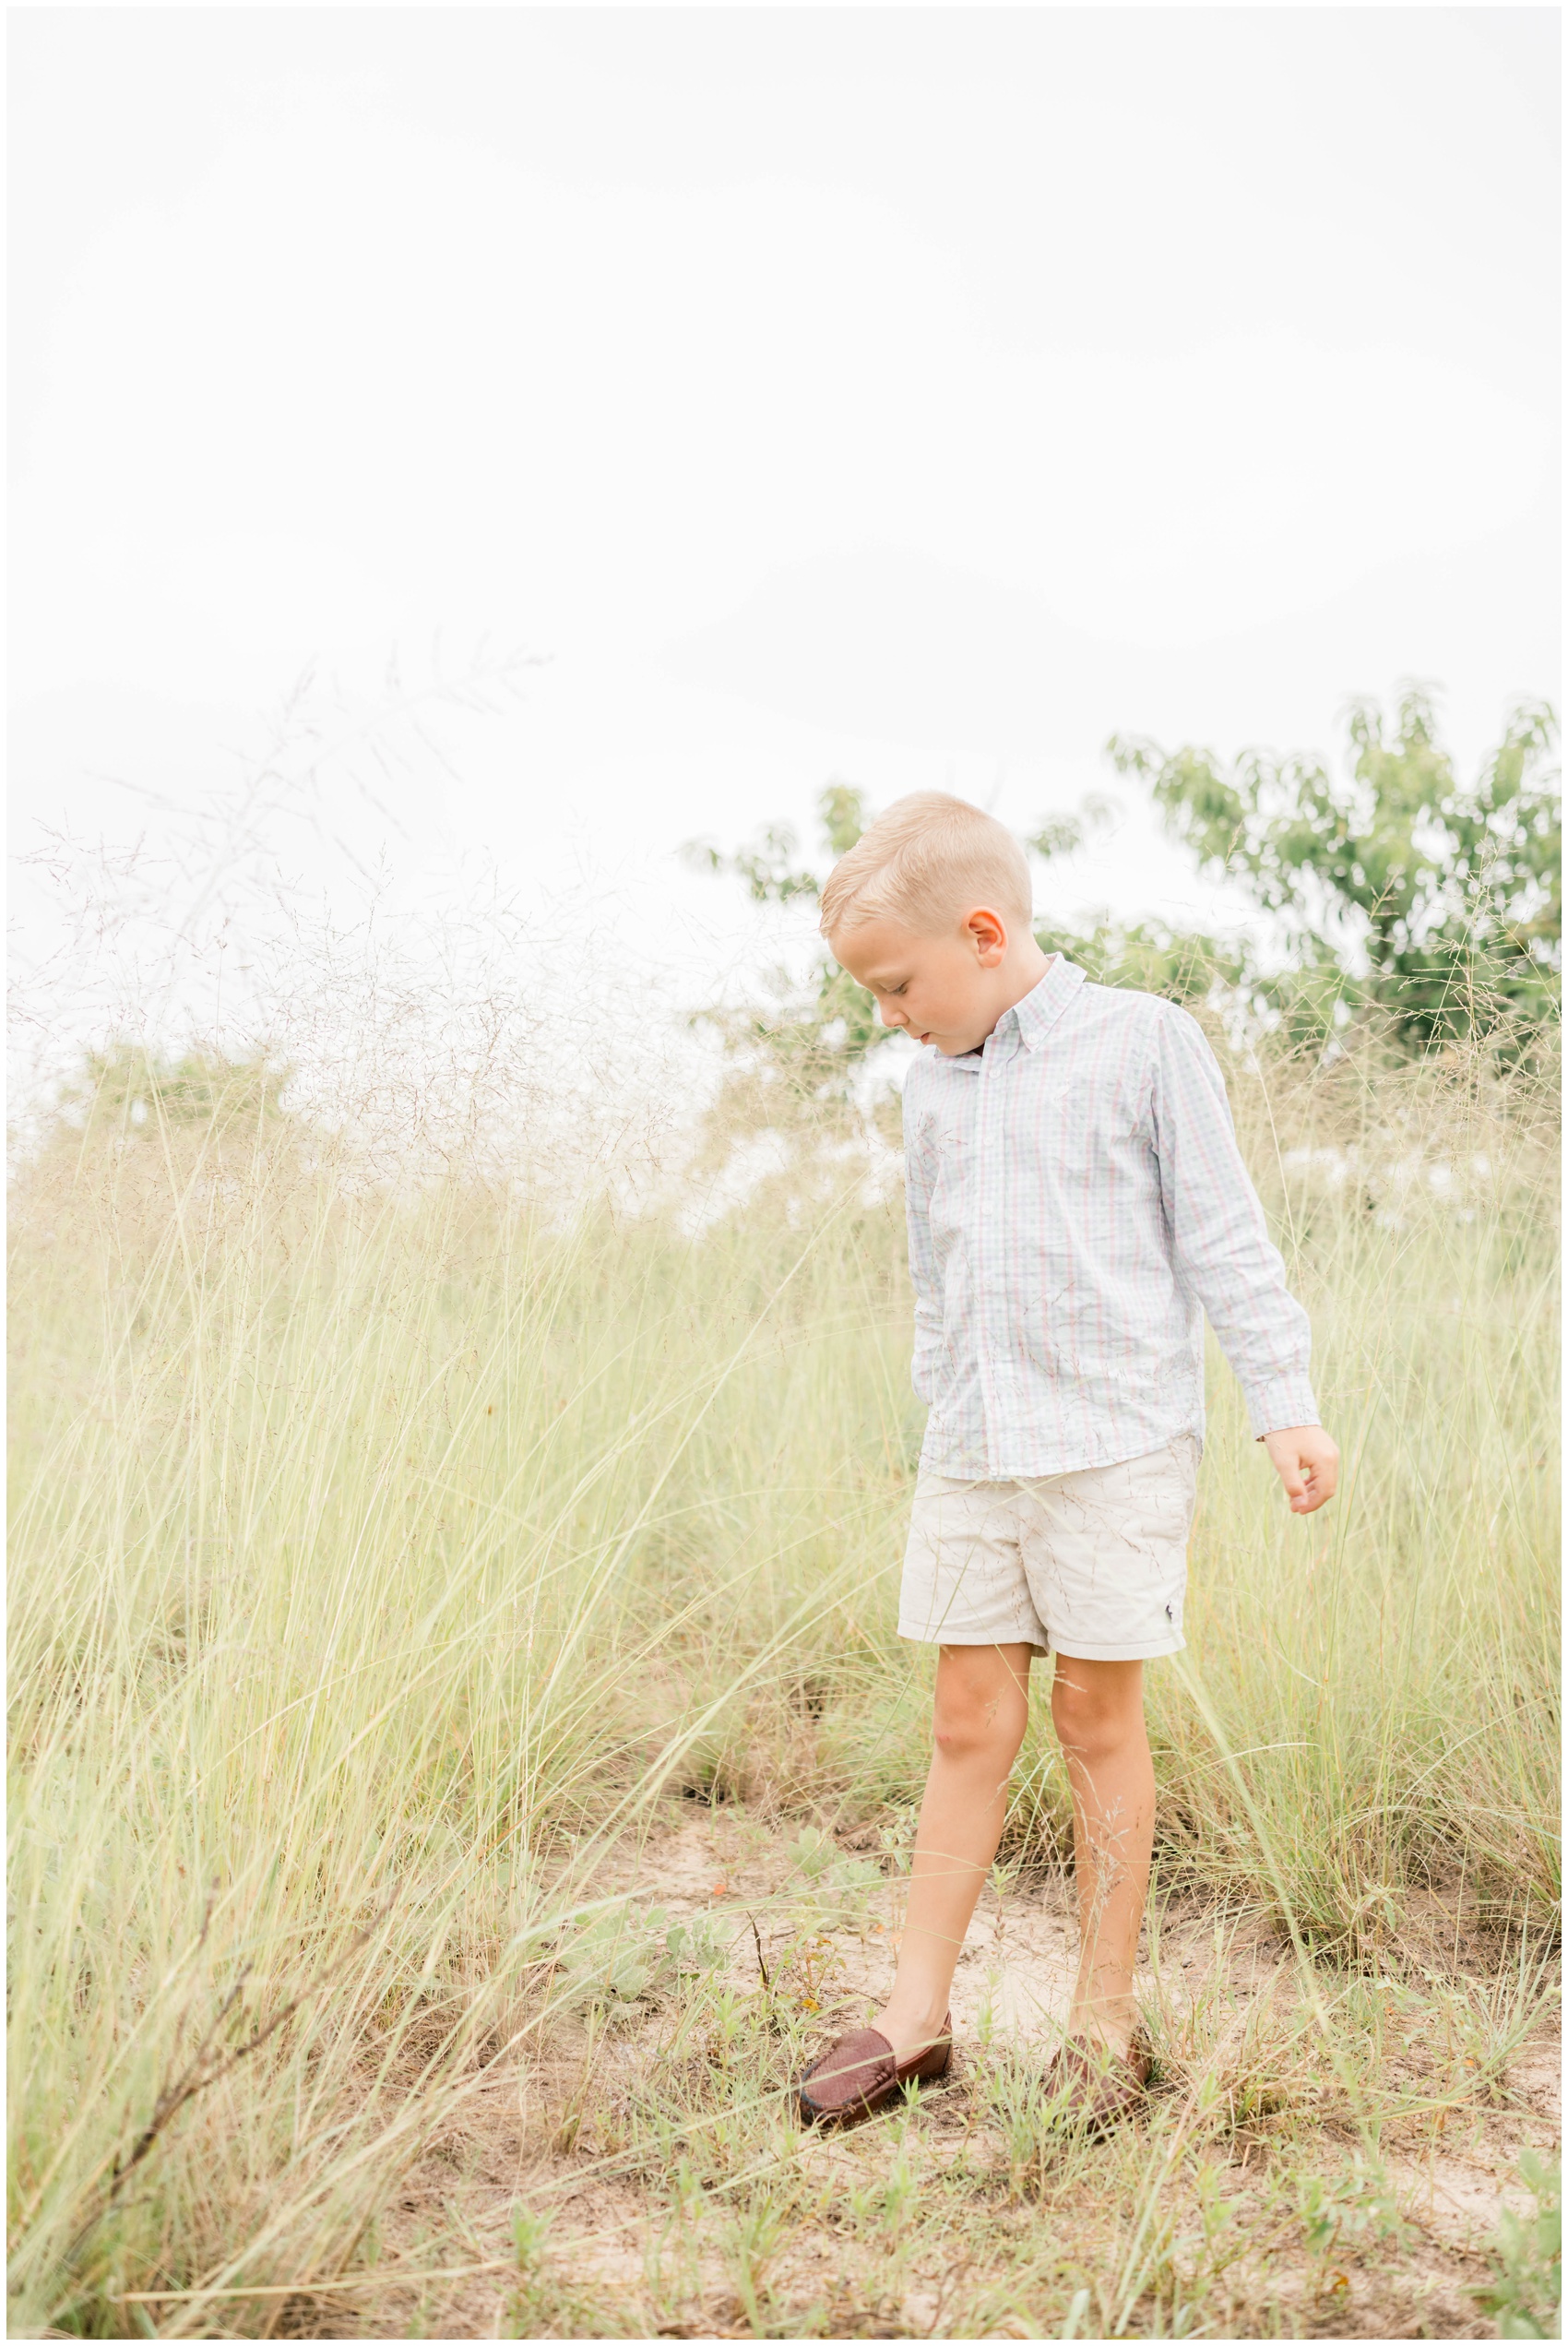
541, 2132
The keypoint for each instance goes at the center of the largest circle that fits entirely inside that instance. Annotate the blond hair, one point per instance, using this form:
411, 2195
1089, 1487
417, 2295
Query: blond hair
928, 859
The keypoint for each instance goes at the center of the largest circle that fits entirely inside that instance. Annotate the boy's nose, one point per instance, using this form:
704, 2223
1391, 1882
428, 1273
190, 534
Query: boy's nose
891, 1017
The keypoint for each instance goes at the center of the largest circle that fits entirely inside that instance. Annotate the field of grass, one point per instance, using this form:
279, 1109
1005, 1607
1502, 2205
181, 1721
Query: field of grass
399, 1583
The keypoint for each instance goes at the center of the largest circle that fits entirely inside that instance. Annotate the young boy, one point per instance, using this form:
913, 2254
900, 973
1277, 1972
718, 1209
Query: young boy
1076, 1201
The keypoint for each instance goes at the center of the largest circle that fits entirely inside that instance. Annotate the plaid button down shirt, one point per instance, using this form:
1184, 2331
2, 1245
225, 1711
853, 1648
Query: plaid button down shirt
1076, 1202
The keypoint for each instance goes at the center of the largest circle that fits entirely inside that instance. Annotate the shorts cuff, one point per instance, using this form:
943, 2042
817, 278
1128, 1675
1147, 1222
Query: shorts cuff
968, 1638
1154, 1651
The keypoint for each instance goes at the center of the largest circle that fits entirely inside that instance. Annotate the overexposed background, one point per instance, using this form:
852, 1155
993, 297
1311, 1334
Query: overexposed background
906, 397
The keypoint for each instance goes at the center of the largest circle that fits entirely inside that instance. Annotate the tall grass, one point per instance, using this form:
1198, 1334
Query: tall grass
382, 1557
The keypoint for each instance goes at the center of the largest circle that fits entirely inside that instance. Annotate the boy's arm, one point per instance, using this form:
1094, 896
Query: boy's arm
922, 1263
1222, 1245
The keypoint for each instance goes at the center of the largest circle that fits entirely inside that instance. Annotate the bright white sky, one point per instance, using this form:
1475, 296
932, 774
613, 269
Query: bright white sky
908, 396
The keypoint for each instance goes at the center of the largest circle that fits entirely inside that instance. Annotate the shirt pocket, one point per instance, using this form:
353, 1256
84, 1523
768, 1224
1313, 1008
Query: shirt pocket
1073, 1129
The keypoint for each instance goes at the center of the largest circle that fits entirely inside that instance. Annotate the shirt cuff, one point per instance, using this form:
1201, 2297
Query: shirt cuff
1284, 1400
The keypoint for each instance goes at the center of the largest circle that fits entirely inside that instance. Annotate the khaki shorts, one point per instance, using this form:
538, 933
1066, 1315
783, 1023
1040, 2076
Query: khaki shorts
1092, 1564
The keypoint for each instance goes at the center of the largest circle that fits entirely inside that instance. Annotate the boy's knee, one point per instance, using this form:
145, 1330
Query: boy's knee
976, 1717
1094, 1721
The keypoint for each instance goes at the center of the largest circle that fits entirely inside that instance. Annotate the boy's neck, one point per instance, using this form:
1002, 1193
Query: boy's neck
1020, 976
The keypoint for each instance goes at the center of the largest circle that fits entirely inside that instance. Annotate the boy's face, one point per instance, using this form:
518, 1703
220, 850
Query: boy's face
941, 988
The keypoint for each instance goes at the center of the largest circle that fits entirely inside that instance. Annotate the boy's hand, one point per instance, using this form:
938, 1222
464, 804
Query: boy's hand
1307, 1461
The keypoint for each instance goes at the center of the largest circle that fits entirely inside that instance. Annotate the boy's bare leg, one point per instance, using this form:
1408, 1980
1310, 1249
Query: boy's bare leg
1097, 1711
982, 1707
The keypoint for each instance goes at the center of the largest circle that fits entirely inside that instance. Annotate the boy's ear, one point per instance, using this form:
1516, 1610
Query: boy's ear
988, 931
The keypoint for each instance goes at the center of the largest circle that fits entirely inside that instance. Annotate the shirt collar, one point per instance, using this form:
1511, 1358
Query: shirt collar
1044, 1002
1037, 1012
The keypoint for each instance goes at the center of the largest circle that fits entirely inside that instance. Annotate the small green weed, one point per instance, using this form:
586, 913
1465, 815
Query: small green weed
1526, 2290
626, 1958
839, 1888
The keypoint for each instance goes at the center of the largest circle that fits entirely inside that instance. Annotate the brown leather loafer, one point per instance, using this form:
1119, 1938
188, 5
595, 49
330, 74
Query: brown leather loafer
860, 2074
1100, 2087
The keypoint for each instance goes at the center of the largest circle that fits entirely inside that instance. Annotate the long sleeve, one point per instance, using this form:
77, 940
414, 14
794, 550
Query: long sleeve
917, 1179
1219, 1235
